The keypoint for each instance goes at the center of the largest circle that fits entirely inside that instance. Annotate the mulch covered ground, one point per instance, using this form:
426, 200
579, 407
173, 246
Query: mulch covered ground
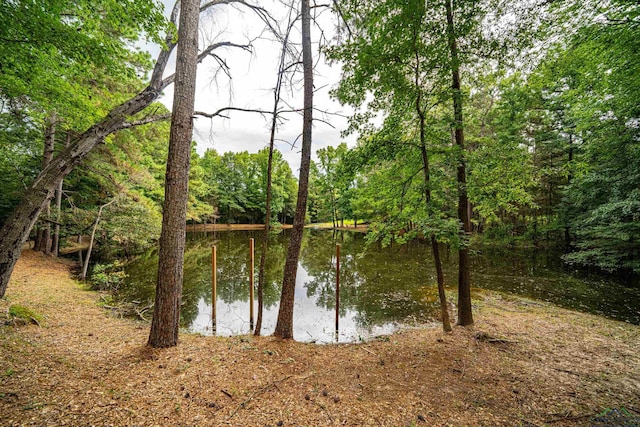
523, 363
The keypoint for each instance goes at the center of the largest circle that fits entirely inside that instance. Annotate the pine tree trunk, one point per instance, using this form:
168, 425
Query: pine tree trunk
47, 157
284, 325
166, 313
55, 244
80, 260
465, 314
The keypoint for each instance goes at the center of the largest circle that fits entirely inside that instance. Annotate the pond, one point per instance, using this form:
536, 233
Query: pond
381, 289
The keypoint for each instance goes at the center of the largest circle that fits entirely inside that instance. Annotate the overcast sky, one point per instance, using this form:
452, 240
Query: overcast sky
251, 86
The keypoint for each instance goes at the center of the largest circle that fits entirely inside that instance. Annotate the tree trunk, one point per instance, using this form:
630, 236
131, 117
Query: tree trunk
37, 244
55, 243
446, 323
465, 314
44, 242
56, 231
265, 241
444, 312
267, 220
166, 313
80, 261
284, 325
85, 267
334, 210
567, 228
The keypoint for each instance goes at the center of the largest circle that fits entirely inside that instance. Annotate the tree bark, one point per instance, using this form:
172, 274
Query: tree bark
267, 219
465, 314
85, 267
284, 325
80, 260
44, 241
444, 312
166, 313
55, 242
55, 249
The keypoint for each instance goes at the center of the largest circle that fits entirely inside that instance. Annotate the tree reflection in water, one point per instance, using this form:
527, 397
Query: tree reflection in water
381, 288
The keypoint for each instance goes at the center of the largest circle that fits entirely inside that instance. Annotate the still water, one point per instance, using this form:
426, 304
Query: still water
381, 289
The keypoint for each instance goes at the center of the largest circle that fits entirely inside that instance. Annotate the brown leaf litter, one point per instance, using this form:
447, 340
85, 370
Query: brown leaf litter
524, 363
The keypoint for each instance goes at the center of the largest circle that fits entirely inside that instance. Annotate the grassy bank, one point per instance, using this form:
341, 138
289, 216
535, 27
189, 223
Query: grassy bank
523, 363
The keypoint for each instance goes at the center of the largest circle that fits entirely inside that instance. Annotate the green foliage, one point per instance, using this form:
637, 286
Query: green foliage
69, 62
130, 168
588, 90
56, 53
234, 185
128, 227
552, 153
500, 164
332, 182
108, 277
608, 236
398, 65
19, 157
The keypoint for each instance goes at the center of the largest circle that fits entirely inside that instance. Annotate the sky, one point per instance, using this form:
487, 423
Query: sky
253, 76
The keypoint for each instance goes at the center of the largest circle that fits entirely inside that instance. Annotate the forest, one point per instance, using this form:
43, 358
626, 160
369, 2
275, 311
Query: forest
475, 123
465, 239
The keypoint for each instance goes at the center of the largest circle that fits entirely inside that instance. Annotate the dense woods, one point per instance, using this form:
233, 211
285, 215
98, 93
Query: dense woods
474, 122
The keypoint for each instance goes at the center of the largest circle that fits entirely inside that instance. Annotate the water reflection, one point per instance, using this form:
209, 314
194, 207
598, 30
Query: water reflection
381, 288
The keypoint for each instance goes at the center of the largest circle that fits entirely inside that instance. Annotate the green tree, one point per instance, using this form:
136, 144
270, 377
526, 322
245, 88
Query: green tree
111, 26
331, 181
590, 82
503, 187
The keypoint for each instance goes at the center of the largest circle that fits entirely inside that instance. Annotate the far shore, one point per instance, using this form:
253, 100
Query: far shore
362, 228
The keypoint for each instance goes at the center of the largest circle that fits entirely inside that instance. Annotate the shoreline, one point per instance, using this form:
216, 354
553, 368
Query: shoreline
522, 363
250, 227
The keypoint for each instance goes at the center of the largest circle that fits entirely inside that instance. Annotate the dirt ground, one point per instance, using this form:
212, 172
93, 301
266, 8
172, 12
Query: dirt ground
523, 364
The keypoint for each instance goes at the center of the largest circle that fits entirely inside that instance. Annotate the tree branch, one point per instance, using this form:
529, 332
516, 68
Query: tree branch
146, 120
222, 110
208, 51
339, 10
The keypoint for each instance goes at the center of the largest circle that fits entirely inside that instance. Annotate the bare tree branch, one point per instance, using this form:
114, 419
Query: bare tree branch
146, 120
222, 110
206, 52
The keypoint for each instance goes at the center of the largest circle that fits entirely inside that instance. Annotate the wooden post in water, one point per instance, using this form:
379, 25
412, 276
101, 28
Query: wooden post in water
337, 289
214, 285
251, 244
